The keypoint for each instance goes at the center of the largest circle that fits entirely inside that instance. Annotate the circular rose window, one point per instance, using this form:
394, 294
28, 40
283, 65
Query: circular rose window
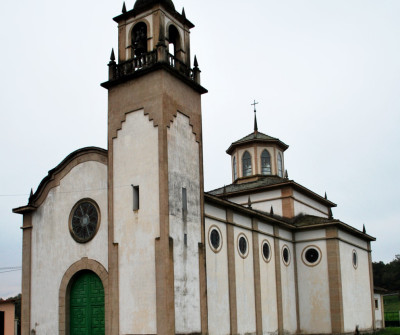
84, 220
311, 255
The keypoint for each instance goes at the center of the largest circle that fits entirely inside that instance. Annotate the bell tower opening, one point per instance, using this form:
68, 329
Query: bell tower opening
139, 39
174, 41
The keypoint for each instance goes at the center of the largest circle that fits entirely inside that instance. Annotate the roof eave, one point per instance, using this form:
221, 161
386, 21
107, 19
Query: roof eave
278, 143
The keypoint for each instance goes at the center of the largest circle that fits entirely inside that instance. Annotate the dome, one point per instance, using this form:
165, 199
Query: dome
141, 4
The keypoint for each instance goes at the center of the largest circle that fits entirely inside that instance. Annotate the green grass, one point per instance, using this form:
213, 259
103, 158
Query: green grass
389, 331
391, 303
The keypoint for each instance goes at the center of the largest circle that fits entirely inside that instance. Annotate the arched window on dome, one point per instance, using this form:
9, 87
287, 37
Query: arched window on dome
280, 167
246, 164
234, 168
265, 162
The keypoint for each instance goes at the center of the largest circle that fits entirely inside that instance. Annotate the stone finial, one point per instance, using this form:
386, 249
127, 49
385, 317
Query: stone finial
326, 197
112, 57
271, 211
112, 66
286, 175
249, 203
124, 8
183, 12
364, 230
330, 215
196, 71
30, 197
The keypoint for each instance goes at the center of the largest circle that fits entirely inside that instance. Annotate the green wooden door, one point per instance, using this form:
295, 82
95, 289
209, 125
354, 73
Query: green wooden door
87, 305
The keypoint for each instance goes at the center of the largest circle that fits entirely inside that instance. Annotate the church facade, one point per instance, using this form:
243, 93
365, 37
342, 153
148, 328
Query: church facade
125, 240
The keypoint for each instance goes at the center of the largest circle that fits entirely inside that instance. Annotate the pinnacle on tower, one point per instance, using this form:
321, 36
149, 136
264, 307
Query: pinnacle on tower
124, 8
249, 202
286, 175
326, 197
112, 57
330, 215
255, 116
196, 64
364, 230
271, 212
183, 12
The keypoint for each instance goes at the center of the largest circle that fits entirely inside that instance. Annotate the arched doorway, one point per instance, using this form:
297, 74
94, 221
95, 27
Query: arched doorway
87, 305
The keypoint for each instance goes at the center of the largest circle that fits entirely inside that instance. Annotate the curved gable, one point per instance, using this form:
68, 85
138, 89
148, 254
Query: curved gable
55, 175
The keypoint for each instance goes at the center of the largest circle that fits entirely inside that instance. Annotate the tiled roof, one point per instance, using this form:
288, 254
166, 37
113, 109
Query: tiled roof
257, 137
263, 181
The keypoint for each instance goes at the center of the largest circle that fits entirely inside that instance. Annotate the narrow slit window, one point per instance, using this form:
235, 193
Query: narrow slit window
184, 200
135, 197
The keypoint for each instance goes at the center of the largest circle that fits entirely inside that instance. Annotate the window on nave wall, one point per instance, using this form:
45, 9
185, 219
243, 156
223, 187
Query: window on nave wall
246, 163
265, 163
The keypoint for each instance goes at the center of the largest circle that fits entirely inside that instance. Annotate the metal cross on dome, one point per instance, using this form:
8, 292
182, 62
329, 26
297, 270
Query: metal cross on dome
255, 116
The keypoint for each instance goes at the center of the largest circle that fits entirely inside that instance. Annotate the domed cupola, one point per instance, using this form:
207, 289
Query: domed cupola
144, 4
257, 155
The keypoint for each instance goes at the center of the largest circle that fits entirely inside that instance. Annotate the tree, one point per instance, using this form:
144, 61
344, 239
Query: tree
387, 276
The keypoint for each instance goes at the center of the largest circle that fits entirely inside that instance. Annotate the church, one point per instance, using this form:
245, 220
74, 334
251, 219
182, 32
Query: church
126, 241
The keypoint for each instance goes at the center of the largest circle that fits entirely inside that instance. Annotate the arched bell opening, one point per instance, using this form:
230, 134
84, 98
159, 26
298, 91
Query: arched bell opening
174, 45
139, 40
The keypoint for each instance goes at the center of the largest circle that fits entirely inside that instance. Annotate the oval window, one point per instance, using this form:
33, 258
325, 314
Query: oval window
266, 251
355, 259
243, 246
286, 255
215, 239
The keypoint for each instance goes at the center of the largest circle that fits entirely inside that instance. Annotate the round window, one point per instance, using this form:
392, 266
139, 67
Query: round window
215, 238
355, 260
84, 220
311, 255
243, 245
286, 255
266, 251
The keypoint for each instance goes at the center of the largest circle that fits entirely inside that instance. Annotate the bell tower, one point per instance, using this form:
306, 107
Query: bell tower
155, 176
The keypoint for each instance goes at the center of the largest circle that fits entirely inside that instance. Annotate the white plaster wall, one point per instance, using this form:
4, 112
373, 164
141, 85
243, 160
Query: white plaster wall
305, 205
265, 228
215, 211
313, 288
242, 220
262, 203
356, 290
379, 322
288, 289
268, 288
352, 239
245, 300
136, 162
286, 234
53, 248
217, 283
266, 195
183, 172
310, 235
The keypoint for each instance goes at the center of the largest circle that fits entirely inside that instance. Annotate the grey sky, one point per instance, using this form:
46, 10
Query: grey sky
326, 75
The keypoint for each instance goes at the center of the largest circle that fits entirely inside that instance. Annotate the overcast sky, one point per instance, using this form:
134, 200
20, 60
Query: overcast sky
326, 75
